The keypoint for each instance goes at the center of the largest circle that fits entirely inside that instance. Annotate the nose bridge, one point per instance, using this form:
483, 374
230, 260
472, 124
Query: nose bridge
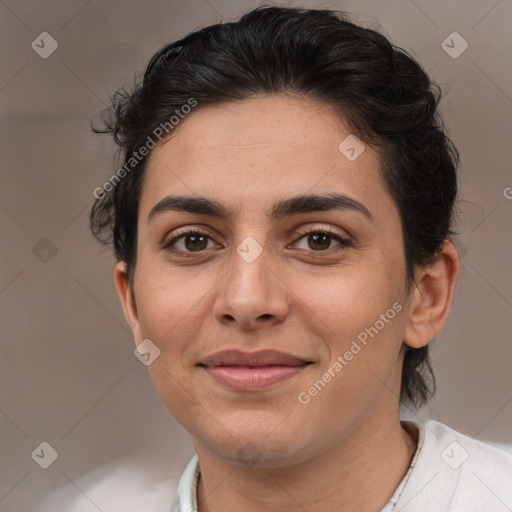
248, 279
250, 291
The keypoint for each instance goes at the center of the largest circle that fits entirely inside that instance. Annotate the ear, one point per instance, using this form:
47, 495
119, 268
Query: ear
126, 296
431, 298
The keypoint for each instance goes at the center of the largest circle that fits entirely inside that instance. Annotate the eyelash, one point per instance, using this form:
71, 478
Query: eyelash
344, 242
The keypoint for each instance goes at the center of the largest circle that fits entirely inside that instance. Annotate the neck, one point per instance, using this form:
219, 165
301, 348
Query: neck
360, 472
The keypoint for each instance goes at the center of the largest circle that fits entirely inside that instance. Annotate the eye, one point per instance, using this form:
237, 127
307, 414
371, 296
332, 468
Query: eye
320, 240
191, 241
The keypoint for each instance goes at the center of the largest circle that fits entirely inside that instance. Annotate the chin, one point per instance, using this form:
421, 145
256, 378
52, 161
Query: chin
256, 445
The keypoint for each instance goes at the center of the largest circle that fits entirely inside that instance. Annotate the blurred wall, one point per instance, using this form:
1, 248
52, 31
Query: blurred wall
68, 376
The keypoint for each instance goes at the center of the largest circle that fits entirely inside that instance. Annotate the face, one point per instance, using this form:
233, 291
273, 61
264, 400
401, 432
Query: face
252, 267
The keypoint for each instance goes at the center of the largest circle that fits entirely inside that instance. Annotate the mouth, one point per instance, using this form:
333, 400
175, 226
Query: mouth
243, 371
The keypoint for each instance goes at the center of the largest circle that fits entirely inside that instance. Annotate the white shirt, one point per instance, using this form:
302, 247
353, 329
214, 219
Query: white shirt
449, 472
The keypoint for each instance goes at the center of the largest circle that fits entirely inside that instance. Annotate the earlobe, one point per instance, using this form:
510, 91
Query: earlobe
126, 296
431, 298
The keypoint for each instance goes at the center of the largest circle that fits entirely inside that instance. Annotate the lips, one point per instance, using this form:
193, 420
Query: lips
252, 371
252, 359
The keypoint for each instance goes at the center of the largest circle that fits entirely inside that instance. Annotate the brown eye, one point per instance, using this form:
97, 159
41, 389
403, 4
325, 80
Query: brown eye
319, 241
188, 242
195, 242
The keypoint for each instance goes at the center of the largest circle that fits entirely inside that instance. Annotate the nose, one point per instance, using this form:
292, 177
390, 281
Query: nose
251, 295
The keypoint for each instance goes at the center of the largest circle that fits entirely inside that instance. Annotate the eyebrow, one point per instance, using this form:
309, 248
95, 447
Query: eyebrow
294, 205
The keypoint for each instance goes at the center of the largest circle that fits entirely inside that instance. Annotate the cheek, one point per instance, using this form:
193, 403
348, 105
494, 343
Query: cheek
358, 315
169, 313
168, 306
344, 302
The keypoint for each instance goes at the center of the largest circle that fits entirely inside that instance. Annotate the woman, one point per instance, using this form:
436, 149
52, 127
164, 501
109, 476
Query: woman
281, 224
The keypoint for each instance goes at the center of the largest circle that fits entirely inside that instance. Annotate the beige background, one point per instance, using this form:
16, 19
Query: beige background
68, 375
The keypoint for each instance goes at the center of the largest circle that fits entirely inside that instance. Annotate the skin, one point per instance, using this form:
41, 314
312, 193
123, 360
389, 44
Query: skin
346, 449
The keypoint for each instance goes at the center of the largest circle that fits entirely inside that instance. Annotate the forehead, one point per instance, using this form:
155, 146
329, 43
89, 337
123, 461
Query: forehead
244, 152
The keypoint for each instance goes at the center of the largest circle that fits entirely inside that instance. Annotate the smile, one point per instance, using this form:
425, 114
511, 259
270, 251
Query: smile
252, 371
250, 378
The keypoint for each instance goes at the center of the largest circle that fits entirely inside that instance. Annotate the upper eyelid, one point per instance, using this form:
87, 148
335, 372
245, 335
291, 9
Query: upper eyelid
167, 241
298, 233
316, 229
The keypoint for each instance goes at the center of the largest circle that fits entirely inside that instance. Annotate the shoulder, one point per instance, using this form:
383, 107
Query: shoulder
455, 449
125, 485
456, 473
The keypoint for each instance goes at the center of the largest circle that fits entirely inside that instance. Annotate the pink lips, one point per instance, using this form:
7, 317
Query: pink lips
253, 371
